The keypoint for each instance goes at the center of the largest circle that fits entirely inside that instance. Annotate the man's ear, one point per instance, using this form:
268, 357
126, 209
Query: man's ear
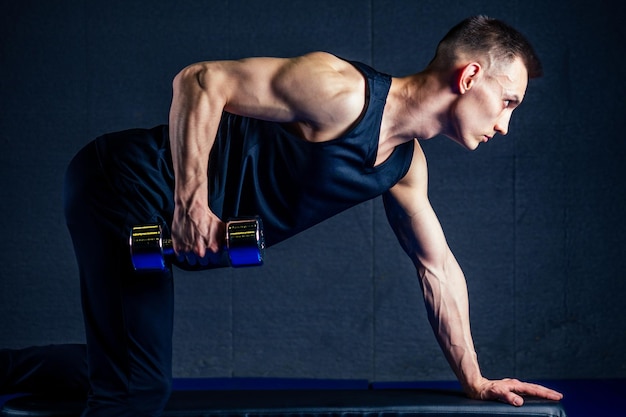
468, 76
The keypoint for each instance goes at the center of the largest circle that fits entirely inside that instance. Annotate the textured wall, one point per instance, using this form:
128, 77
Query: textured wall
535, 219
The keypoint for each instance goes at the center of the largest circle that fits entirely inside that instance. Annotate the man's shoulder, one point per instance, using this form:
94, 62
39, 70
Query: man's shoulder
330, 65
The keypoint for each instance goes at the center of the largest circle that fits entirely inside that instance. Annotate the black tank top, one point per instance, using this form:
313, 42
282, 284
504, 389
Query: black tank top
260, 168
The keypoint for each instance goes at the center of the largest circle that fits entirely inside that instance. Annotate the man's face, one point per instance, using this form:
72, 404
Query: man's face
485, 108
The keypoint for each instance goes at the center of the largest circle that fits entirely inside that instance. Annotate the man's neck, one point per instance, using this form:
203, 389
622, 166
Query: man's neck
417, 108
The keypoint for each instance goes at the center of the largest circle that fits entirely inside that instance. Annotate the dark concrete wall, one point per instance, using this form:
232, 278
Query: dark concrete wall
536, 219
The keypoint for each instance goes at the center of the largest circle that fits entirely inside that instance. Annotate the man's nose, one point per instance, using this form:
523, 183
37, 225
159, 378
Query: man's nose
502, 125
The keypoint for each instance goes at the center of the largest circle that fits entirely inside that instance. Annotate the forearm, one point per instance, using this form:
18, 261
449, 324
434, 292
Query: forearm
197, 107
446, 299
443, 283
193, 121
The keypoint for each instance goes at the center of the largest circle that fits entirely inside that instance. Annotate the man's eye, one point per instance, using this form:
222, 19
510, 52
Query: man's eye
507, 103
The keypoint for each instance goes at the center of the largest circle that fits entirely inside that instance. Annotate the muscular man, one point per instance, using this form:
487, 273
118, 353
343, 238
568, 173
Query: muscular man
295, 141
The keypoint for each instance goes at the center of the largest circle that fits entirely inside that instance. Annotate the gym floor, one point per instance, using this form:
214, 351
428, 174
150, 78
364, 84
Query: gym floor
582, 398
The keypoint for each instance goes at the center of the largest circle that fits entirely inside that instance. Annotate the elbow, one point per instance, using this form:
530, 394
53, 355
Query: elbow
192, 76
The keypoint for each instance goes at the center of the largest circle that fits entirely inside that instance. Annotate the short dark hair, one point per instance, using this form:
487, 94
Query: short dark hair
491, 38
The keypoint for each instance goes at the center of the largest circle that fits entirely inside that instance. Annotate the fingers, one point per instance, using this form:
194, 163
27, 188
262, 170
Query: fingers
188, 238
503, 391
197, 235
199, 252
511, 391
190, 252
513, 399
193, 259
535, 390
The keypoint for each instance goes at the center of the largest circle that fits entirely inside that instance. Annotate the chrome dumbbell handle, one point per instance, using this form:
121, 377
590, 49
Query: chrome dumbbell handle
245, 244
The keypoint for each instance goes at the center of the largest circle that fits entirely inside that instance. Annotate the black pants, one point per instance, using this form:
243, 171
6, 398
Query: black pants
128, 316
125, 369
55, 370
121, 180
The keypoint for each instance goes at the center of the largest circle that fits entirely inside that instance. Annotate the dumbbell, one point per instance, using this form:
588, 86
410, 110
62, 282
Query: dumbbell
245, 245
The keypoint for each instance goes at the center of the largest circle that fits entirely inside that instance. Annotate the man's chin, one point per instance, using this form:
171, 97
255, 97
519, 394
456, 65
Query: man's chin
472, 146
468, 144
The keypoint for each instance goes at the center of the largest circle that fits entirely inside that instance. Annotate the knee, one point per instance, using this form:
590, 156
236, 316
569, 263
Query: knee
161, 388
141, 397
150, 397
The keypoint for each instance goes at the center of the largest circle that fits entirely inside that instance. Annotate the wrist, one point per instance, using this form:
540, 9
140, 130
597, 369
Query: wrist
474, 387
469, 375
191, 193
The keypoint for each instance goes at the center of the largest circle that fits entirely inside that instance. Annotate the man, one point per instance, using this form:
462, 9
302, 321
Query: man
295, 141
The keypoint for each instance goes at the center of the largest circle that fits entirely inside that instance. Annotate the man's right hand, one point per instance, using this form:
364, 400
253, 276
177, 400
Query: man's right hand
197, 235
